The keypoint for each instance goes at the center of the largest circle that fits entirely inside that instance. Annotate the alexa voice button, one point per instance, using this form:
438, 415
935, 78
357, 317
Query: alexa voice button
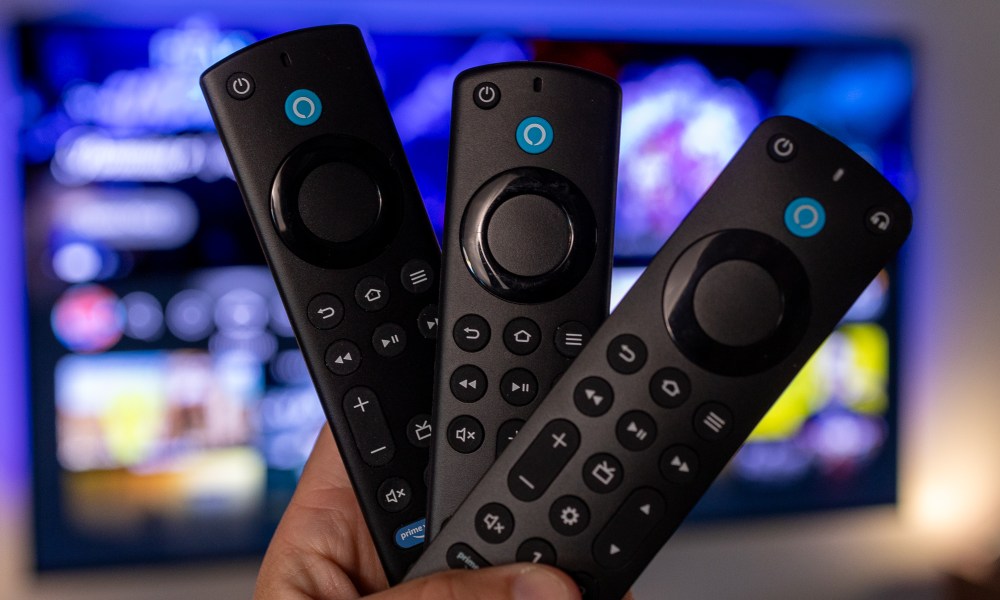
303, 107
534, 135
486, 95
240, 86
805, 217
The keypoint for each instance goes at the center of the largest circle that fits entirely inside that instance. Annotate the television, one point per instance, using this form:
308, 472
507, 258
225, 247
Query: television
171, 409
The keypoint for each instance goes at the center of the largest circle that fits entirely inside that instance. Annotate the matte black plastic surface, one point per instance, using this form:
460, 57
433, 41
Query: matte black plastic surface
371, 358
527, 249
670, 441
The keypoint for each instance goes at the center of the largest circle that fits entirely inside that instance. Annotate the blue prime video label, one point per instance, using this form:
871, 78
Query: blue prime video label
411, 535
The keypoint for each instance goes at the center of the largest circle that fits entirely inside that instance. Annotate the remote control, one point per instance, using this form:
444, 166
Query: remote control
346, 235
732, 306
526, 257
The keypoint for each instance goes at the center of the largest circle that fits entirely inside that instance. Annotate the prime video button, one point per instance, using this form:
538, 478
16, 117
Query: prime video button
534, 135
303, 107
411, 535
805, 217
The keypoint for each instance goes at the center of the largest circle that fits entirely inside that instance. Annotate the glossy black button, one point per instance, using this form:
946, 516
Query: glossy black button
465, 434
486, 95
626, 354
368, 426
571, 337
623, 536
781, 147
471, 333
394, 494
529, 235
669, 387
240, 86
713, 421
389, 340
427, 322
519, 387
541, 463
593, 396
603, 473
507, 432
494, 523
468, 383
536, 550
569, 515
636, 430
342, 357
419, 431
878, 220
371, 294
338, 201
461, 556
325, 311
417, 276
521, 336
679, 464
738, 303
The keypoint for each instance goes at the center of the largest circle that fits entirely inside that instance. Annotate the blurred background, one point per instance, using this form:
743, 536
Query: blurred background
157, 410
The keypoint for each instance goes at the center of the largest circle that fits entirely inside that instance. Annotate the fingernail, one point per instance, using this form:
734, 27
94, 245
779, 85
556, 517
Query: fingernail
538, 584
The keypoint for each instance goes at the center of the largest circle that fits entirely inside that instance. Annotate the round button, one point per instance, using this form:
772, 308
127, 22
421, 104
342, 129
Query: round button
471, 333
636, 430
240, 86
529, 235
427, 322
394, 494
536, 550
593, 396
417, 276
603, 473
371, 294
507, 432
521, 336
486, 95
669, 387
738, 303
534, 135
626, 354
325, 311
878, 220
519, 387
805, 217
342, 357
569, 515
419, 431
679, 464
468, 383
781, 148
338, 202
303, 107
713, 421
494, 523
389, 340
571, 337
465, 434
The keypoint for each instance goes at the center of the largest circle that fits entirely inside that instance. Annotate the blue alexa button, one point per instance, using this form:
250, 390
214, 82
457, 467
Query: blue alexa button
534, 135
805, 217
411, 535
303, 107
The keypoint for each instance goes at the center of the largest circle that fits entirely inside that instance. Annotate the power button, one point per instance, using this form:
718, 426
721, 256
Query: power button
486, 95
782, 148
240, 86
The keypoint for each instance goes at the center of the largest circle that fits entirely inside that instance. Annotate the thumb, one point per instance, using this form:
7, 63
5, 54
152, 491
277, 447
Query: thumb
510, 582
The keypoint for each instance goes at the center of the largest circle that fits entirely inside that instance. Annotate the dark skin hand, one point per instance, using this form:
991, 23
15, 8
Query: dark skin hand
322, 551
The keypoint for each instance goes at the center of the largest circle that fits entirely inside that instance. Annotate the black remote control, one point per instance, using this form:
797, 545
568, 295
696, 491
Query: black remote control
526, 261
346, 235
749, 286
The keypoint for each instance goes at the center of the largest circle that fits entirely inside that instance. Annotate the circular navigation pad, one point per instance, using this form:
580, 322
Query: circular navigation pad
737, 302
528, 235
336, 202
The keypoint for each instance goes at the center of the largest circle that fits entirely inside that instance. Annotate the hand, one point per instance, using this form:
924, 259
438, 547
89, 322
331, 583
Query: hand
322, 551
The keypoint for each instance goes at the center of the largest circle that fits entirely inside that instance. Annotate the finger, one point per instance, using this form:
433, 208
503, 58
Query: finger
510, 582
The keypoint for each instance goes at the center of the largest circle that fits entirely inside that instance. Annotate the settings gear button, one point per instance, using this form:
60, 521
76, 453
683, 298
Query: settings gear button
569, 515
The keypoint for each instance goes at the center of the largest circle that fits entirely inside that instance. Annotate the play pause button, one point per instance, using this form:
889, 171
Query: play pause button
389, 340
624, 534
519, 387
593, 396
468, 383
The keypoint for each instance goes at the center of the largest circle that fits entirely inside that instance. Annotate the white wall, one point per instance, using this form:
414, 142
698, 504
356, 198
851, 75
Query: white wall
949, 509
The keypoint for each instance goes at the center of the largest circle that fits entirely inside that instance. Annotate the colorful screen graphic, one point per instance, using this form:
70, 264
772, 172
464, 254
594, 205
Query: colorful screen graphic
172, 409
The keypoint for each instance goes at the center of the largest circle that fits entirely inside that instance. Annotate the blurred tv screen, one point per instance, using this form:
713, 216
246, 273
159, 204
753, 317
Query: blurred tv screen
172, 411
